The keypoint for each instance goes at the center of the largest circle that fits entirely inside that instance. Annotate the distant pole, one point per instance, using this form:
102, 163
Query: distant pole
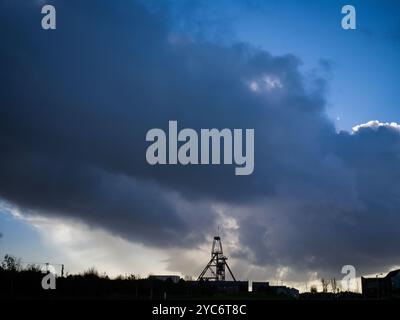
378, 285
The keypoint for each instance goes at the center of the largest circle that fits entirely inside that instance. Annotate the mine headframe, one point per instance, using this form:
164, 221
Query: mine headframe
217, 264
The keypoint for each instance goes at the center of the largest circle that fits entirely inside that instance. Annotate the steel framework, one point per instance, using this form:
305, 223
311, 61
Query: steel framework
217, 264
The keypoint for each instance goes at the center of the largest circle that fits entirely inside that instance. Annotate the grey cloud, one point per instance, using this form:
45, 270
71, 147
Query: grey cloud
348, 215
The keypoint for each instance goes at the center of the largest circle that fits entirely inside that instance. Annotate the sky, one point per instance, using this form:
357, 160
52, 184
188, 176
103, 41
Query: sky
76, 103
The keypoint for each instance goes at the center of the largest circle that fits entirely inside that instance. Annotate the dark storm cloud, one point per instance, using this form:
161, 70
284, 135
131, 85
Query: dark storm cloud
76, 104
347, 215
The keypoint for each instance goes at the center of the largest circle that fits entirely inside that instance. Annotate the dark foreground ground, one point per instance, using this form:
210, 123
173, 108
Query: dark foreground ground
89, 295
27, 284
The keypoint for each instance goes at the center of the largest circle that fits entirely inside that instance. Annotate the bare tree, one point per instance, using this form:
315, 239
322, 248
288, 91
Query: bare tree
91, 272
334, 285
11, 263
325, 284
133, 277
313, 289
33, 268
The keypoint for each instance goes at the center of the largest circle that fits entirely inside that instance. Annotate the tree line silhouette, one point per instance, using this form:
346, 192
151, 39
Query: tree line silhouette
17, 281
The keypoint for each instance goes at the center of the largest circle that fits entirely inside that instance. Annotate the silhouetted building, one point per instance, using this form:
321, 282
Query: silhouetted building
285, 291
173, 278
382, 288
264, 287
231, 286
222, 286
261, 287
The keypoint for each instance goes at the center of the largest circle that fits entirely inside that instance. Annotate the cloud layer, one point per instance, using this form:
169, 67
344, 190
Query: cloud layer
76, 104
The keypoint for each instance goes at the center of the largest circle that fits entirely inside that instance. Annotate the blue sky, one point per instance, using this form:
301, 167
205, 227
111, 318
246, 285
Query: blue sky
362, 61
73, 141
19, 238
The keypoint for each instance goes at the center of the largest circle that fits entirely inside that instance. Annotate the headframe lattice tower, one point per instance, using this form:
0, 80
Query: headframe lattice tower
217, 264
